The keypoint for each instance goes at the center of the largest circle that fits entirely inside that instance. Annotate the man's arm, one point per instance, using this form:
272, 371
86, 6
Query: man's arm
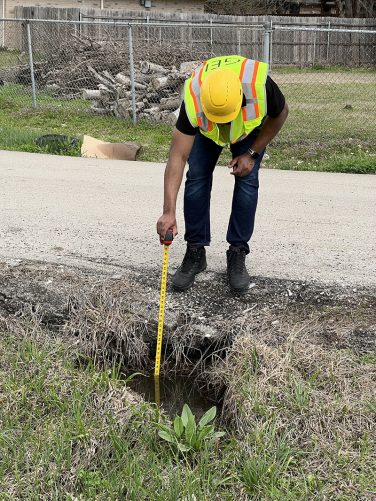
181, 146
269, 130
242, 165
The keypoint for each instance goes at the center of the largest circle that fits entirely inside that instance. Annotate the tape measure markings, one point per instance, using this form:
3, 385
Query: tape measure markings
162, 301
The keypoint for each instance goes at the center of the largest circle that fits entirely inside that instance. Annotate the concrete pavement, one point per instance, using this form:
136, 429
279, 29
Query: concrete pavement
101, 213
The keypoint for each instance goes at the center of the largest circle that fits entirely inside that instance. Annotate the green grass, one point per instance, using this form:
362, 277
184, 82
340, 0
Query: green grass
75, 432
70, 432
9, 58
320, 68
18, 122
320, 133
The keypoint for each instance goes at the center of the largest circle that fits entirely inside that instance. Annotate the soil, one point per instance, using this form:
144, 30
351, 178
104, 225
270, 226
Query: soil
333, 316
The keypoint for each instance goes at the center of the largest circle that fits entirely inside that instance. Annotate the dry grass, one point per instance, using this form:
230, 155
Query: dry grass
332, 380
190, 346
112, 327
109, 330
283, 381
303, 416
296, 377
321, 402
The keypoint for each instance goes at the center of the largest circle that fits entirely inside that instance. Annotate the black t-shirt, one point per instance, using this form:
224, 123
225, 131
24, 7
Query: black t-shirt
275, 104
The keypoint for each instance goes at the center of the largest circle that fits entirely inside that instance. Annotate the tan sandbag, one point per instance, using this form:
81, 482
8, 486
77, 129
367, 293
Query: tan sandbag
95, 148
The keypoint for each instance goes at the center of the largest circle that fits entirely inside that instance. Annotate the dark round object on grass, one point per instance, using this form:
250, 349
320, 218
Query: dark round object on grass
57, 143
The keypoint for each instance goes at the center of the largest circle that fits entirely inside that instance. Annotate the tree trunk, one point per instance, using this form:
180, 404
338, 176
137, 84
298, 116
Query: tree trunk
349, 8
356, 8
160, 83
148, 67
91, 94
169, 103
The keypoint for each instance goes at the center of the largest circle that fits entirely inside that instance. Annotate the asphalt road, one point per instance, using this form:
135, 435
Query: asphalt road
101, 213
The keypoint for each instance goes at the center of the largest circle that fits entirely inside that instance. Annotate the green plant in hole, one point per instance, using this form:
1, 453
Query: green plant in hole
185, 435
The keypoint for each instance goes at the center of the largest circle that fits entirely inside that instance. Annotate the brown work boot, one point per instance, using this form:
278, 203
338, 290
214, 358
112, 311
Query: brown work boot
194, 262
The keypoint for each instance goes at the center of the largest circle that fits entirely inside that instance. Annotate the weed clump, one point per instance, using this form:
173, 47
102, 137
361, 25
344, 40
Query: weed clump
300, 408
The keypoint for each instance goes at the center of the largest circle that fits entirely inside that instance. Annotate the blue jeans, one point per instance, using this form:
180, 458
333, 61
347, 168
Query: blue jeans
202, 161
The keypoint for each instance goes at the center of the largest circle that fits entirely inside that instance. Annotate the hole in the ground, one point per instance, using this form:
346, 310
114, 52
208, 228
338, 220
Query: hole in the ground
172, 393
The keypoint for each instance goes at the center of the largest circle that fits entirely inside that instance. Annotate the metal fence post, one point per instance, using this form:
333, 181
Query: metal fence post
31, 64
131, 67
3, 34
266, 43
3, 24
271, 47
211, 36
314, 49
80, 21
328, 43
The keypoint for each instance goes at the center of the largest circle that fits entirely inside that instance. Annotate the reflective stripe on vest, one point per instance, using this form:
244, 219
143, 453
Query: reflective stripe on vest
194, 89
248, 75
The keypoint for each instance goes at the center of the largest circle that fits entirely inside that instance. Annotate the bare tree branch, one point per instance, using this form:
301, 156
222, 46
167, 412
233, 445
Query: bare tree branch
356, 8
345, 8
250, 7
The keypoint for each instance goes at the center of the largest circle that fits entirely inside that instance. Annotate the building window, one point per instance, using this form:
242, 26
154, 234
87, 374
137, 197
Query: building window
146, 3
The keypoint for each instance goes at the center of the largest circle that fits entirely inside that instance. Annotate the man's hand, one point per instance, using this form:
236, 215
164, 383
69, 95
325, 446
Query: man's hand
242, 165
165, 222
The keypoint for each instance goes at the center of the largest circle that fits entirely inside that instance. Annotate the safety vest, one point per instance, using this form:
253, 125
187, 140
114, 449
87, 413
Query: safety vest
252, 75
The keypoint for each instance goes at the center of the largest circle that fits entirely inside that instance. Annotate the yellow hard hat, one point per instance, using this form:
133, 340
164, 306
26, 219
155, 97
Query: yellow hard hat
221, 96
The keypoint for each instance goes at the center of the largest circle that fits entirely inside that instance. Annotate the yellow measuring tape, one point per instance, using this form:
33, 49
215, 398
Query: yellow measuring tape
162, 301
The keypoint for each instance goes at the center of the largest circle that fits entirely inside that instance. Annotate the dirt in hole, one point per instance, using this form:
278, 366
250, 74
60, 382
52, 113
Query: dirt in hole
172, 392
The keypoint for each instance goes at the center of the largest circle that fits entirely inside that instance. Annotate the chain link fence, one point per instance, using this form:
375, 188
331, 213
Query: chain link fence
137, 70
